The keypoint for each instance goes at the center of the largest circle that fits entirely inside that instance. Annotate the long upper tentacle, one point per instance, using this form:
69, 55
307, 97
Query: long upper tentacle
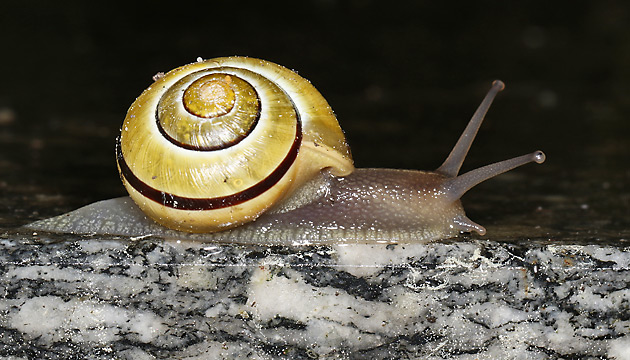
455, 159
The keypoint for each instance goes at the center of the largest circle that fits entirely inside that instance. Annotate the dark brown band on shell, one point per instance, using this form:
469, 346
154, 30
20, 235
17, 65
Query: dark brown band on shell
186, 203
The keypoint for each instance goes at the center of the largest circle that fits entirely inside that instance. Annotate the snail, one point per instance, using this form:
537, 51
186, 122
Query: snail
239, 149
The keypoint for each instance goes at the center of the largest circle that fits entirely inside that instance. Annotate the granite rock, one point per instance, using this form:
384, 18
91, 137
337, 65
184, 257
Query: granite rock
462, 299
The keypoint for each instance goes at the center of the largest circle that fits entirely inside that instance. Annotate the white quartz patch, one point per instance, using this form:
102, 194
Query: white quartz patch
620, 348
329, 314
366, 260
53, 319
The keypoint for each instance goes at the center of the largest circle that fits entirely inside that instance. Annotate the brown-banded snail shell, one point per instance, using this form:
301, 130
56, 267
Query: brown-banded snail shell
212, 145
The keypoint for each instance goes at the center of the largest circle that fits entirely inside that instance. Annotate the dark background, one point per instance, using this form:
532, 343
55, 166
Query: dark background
402, 77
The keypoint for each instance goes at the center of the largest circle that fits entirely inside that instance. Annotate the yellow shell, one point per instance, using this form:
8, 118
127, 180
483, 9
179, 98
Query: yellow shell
214, 144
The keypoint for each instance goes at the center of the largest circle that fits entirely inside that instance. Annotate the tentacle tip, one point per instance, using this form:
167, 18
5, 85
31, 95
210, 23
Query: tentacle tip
539, 157
500, 85
464, 224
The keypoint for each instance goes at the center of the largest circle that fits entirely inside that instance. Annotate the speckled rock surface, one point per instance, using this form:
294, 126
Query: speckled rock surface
149, 299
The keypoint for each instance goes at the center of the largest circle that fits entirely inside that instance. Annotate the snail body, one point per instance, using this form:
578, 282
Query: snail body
240, 148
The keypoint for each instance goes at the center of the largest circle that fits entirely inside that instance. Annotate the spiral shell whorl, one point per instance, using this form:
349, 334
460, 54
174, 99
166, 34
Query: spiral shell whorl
206, 165
208, 111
